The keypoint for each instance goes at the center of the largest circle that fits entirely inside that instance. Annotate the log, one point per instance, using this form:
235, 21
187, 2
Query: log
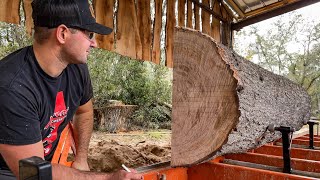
223, 103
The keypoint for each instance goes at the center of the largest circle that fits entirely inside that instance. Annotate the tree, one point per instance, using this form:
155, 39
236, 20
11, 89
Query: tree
12, 37
290, 46
141, 83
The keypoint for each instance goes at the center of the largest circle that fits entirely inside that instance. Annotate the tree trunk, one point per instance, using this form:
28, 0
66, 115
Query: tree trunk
223, 103
113, 118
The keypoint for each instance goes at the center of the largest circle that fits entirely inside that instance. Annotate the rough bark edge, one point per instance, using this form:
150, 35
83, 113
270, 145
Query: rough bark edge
266, 137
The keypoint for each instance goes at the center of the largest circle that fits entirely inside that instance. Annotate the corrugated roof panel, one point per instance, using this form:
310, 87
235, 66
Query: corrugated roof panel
250, 5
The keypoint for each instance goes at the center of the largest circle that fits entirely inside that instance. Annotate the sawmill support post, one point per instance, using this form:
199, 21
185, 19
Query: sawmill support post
286, 131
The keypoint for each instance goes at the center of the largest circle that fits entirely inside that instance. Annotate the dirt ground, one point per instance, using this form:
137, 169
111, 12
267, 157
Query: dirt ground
134, 149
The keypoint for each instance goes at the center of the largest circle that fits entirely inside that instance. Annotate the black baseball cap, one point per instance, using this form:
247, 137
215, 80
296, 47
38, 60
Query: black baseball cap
72, 13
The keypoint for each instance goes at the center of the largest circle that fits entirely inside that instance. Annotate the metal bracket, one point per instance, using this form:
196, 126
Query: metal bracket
311, 124
285, 131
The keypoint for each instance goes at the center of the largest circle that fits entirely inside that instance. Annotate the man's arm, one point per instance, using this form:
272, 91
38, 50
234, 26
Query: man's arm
13, 153
83, 124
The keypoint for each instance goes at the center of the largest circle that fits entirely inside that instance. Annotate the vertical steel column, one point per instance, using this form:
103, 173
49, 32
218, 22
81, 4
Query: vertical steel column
285, 131
311, 124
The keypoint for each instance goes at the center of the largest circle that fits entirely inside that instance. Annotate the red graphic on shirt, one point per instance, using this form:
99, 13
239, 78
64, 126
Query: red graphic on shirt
59, 114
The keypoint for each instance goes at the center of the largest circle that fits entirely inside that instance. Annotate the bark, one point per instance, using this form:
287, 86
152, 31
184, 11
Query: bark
223, 103
114, 118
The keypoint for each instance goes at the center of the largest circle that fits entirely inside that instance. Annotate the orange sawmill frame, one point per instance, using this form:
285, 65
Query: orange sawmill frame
270, 155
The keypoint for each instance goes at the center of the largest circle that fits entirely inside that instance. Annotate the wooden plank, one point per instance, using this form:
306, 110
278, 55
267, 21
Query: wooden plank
196, 17
144, 25
215, 26
127, 36
276, 5
206, 28
104, 15
28, 16
189, 14
171, 21
156, 52
226, 28
236, 8
9, 11
230, 112
229, 31
181, 12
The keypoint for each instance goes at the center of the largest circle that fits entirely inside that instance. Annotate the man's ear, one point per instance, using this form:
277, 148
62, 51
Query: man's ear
62, 33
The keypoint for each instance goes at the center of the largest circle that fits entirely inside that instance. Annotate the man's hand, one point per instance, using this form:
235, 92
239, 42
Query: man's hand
83, 166
124, 175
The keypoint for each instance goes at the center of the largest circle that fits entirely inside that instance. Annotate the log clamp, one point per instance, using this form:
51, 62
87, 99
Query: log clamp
311, 124
286, 145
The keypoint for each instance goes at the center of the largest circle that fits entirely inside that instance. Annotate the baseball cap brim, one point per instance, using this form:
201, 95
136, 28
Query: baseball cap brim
97, 28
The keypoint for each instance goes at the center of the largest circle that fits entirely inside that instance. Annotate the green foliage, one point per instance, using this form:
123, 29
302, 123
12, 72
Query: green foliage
290, 46
154, 117
145, 84
12, 37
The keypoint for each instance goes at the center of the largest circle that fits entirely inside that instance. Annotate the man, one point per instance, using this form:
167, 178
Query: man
44, 86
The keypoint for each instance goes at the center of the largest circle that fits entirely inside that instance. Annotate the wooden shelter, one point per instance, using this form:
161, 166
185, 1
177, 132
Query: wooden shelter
139, 24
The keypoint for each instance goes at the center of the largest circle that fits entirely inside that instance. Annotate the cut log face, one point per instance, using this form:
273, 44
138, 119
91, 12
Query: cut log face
223, 103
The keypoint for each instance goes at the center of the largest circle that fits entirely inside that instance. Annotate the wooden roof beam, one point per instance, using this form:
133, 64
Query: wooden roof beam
236, 8
204, 7
270, 7
272, 13
230, 10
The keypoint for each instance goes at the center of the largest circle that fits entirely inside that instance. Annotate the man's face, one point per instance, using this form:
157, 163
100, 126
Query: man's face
78, 46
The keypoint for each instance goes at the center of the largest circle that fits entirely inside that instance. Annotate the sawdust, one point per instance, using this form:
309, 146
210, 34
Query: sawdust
135, 149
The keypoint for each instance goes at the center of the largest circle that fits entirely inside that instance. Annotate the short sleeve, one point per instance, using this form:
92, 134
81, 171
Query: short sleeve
19, 121
88, 92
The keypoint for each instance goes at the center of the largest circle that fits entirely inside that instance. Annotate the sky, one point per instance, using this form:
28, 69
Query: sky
311, 12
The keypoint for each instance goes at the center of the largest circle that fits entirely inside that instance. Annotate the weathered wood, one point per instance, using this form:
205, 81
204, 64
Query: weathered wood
196, 17
9, 11
144, 25
189, 14
181, 12
128, 39
156, 53
215, 26
223, 103
28, 16
206, 28
226, 28
104, 15
169, 32
113, 118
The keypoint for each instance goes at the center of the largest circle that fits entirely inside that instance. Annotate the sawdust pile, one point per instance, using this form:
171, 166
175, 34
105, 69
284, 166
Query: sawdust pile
107, 152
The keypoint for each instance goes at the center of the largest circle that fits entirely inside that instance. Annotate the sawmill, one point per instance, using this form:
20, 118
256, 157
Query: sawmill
231, 119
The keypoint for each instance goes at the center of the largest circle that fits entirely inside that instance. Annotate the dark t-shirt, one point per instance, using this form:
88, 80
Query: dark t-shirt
35, 106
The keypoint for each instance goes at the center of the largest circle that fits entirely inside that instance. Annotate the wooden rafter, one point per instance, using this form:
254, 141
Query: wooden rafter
277, 10
208, 9
236, 8
270, 7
